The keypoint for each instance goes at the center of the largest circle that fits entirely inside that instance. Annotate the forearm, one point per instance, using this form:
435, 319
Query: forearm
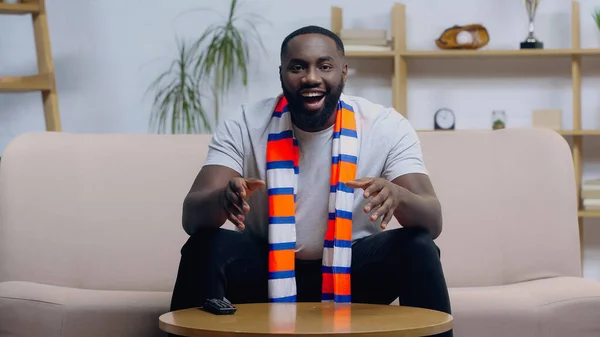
420, 211
203, 210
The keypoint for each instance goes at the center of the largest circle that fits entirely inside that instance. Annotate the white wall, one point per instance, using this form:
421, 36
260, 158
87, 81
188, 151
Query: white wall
107, 52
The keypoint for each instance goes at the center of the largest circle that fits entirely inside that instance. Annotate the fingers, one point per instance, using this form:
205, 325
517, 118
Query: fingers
376, 200
253, 184
354, 184
233, 198
237, 187
235, 206
370, 185
374, 187
235, 220
386, 220
382, 202
382, 210
234, 213
359, 183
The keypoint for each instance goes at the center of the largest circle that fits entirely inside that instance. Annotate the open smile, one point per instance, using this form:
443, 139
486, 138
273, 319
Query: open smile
313, 100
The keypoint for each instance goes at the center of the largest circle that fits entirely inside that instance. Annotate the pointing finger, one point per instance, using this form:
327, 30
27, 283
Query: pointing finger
253, 183
359, 183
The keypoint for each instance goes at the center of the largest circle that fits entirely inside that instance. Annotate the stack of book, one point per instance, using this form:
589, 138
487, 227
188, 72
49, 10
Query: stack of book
365, 40
590, 193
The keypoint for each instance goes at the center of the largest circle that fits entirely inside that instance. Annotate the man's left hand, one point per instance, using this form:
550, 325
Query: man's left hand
385, 197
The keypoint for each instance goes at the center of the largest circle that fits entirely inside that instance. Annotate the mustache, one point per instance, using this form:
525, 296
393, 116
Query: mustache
326, 90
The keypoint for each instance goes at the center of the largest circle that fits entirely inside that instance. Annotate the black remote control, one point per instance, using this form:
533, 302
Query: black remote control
219, 307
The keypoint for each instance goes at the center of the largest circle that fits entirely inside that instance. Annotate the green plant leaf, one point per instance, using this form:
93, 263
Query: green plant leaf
175, 105
596, 17
232, 52
208, 67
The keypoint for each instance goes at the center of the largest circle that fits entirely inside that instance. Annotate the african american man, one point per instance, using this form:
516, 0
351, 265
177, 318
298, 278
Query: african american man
310, 179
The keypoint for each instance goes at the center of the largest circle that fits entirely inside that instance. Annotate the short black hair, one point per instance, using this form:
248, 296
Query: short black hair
312, 30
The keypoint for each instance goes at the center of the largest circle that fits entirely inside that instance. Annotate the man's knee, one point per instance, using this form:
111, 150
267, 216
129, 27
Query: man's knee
416, 241
217, 247
209, 239
203, 260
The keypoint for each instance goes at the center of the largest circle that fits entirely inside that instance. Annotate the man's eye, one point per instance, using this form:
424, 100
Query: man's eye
297, 68
326, 67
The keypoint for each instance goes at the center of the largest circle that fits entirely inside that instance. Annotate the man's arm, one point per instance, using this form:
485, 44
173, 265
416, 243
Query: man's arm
203, 205
418, 204
404, 189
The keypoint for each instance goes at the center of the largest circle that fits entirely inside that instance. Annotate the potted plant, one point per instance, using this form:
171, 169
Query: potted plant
203, 70
596, 16
498, 119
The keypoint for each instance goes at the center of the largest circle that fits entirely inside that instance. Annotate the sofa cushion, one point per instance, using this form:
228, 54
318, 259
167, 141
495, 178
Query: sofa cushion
31, 309
553, 307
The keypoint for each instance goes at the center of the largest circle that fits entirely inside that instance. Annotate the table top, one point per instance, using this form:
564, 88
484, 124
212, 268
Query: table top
304, 319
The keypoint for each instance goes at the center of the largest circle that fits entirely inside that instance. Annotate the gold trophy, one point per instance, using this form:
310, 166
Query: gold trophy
531, 42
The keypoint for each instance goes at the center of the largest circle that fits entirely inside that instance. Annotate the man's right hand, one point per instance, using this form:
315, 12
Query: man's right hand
235, 194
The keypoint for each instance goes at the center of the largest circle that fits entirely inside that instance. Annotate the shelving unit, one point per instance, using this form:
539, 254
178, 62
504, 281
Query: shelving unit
399, 55
44, 81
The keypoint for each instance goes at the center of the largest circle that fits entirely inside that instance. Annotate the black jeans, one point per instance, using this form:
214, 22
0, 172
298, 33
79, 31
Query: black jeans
400, 263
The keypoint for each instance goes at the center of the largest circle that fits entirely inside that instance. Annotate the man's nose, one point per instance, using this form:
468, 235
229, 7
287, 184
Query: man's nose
312, 77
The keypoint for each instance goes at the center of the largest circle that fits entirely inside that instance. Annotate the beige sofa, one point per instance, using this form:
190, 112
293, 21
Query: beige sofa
90, 232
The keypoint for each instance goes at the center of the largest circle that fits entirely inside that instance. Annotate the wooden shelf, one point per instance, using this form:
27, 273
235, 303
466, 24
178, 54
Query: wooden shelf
19, 8
561, 132
25, 83
589, 214
499, 53
588, 52
370, 54
579, 132
400, 55
434, 54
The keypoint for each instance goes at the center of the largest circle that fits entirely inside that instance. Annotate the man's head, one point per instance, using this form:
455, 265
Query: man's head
313, 74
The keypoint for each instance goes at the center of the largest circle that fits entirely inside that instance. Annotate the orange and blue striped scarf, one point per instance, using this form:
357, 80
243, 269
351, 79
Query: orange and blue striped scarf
282, 184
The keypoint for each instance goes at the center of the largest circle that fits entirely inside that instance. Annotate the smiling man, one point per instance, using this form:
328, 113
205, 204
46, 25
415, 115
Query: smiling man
311, 178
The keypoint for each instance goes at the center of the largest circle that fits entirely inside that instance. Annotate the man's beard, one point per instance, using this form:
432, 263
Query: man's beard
308, 120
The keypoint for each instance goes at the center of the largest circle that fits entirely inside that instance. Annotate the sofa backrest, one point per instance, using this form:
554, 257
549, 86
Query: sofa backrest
509, 205
104, 211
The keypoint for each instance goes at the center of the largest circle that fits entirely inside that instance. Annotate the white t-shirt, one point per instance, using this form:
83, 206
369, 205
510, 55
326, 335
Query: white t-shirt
388, 148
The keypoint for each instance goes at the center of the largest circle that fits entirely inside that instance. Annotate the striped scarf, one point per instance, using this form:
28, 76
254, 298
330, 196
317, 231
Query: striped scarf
282, 184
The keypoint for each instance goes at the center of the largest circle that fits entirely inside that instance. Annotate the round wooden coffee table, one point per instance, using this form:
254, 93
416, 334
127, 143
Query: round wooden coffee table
304, 319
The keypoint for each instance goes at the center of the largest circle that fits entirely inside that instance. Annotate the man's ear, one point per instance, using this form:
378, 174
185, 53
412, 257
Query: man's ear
345, 72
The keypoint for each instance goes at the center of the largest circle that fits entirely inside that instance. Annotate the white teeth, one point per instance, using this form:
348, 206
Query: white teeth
312, 94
